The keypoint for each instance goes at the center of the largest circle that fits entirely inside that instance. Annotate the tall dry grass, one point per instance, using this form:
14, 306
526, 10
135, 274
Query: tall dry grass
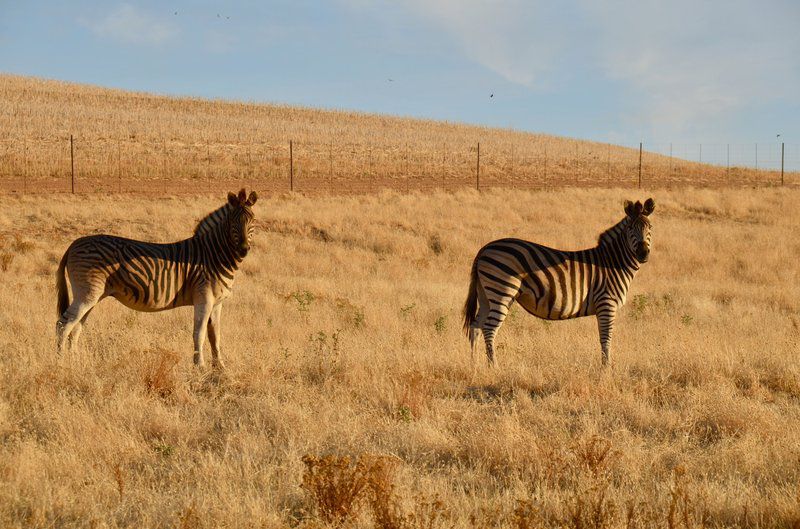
126, 141
343, 344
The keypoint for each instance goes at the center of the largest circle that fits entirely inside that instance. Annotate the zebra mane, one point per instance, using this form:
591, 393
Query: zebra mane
213, 219
611, 234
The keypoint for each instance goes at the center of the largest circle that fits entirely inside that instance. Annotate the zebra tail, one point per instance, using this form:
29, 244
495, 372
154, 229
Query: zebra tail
471, 305
61, 285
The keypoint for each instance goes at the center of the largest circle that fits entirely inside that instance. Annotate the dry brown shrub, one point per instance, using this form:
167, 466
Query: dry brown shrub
21, 246
189, 518
591, 505
341, 487
6, 259
159, 373
526, 516
337, 485
595, 455
413, 396
386, 511
119, 477
6, 255
684, 510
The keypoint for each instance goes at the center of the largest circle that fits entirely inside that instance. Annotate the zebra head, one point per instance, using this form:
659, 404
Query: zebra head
639, 228
241, 221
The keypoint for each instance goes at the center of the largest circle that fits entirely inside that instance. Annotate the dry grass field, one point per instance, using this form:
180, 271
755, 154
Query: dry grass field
126, 141
350, 398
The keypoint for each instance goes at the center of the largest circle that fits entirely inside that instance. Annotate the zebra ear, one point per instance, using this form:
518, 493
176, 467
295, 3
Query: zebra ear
242, 196
233, 200
252, 198
629, 208
649, 206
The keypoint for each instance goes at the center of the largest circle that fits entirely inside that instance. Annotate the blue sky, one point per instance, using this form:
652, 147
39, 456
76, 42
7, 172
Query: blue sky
617, 71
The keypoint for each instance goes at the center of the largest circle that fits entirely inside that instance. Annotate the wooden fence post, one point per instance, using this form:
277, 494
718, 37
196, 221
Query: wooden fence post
478, 169
756, 156
640, 165
291, 167
728, 161
671, 172
72, 162
545, 162
119, 165
782, 150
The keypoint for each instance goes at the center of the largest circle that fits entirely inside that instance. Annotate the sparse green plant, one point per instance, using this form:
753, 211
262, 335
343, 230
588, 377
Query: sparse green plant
353, 313
440, 324
163, 449
326, 355
303, 298
687, 319
639, 304
405, 310
435, 244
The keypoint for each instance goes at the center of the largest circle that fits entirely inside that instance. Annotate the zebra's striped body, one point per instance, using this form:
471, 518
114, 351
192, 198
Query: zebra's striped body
152, 277
555, 284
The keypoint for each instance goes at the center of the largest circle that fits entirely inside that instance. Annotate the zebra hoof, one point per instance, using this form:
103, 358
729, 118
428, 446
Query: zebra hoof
198, 361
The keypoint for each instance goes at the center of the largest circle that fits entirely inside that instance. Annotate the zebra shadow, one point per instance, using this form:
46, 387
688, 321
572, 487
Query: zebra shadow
500, 393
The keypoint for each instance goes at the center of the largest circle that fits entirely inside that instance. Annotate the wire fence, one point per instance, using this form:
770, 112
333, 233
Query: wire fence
178, 166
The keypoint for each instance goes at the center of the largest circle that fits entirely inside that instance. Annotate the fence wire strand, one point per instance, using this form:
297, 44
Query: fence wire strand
180, 166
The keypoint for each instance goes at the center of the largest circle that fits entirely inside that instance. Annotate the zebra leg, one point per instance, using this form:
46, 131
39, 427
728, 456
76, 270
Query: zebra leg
496, 314
70, 319
605, 324
480, 318
202, 312
214, 336
76, 331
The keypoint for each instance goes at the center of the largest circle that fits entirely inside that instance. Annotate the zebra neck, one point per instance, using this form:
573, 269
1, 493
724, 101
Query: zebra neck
222, 256
615, 252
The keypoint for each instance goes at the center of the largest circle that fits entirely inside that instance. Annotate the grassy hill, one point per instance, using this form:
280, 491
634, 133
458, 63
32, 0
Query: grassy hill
138, 141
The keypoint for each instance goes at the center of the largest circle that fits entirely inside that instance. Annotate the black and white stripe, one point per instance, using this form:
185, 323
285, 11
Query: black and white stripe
556, 284
153, 277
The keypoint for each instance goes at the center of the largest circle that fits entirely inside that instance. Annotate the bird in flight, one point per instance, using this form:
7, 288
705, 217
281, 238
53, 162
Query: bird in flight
491, 95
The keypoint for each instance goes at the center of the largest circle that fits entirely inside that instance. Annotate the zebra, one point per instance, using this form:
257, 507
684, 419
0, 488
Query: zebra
152, 277
556, 284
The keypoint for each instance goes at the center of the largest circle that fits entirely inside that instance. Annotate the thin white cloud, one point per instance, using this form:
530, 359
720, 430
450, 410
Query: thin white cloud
129, 24
501, 35
685, 66
508, 37
689, 64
